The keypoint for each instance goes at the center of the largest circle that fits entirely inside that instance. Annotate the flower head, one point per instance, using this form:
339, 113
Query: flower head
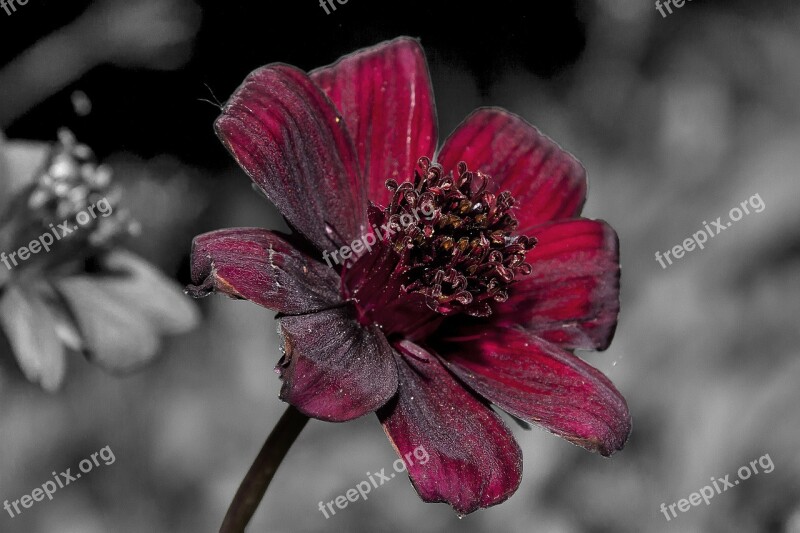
460, 278
65, 282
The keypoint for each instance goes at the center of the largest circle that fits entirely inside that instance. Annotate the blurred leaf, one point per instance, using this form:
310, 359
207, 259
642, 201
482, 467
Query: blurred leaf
31, 331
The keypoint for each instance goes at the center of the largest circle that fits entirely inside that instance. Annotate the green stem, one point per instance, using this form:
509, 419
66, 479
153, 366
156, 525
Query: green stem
257, 480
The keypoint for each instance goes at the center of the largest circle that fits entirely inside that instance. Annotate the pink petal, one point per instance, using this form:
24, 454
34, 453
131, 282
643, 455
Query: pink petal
474, 461
384, 93
285, 133
547, 182
541, 383
333, 368
257, 265
571, 298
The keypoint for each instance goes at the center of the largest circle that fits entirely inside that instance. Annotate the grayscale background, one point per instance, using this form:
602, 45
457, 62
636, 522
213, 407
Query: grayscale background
676, 119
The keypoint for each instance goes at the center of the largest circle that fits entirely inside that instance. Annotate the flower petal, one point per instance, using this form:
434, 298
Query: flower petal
539, 382
547, 182
571, 298
117, 336
333, 368
121, 311
285, 133
144, 288
31, 331
474, 461
260, 266
385, 95
19, 162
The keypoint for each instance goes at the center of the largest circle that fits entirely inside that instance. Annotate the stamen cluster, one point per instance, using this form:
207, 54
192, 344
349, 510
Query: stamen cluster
461, 253
70, 183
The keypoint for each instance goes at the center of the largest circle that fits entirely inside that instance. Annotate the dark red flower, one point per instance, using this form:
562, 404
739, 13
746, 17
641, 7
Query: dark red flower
452, 285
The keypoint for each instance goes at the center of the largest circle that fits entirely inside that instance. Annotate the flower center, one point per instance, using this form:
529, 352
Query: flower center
445, 240
71, 208
74, 188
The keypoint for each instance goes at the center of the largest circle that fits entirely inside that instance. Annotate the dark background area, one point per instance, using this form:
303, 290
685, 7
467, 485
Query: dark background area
151, 112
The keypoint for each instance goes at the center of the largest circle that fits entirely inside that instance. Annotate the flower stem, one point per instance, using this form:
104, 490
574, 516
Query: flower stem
255, 483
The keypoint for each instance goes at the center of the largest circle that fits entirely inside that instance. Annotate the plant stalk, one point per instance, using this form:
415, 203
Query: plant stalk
255, 483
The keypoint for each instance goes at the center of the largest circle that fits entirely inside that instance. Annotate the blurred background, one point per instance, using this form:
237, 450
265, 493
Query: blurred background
677, 120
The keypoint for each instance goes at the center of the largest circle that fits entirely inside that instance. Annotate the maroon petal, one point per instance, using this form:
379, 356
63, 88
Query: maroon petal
474, 461
539, 382
571, 298
285, 133
333, 368
546, 181
384, 93
258, 265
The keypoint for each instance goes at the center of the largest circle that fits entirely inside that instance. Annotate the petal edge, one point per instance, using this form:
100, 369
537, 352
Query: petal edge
474, 460
540, 383
384, 93
543, 177
287, 136
259, 265
333, 368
